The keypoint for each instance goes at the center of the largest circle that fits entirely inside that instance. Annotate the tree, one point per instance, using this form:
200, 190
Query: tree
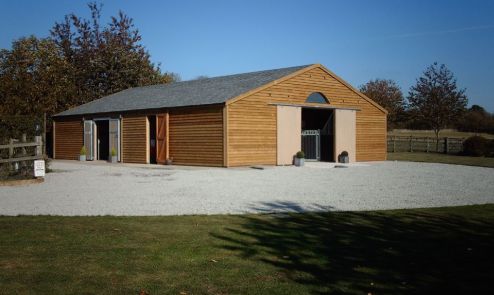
34, 78
477, 119
436, 99
388, 94
106, 59
80, 62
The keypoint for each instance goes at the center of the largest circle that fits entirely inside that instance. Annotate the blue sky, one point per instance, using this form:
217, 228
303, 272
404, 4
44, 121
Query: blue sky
358, 40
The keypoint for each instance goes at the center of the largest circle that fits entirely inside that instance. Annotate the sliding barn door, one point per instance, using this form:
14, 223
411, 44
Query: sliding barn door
89, 141
114, 134
161, 138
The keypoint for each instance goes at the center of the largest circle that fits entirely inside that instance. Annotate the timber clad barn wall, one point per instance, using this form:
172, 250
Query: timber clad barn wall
252, 120
68, 139
134, 139
196, 136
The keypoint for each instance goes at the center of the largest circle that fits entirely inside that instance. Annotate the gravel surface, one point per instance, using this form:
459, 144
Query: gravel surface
103, 189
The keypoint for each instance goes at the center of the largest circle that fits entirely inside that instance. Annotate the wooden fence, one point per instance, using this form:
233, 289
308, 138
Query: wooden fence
447, 145
18, 150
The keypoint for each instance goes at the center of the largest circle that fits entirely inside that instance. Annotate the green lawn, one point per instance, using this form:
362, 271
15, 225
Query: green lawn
382, 252
442, 158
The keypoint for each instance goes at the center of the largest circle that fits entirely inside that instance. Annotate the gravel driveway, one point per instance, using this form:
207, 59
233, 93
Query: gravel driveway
103, 189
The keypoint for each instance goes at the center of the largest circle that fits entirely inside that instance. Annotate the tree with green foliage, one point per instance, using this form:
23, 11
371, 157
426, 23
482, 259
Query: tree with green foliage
106, 59
477, 119
387, 94
81, 61
436, 100
34, 78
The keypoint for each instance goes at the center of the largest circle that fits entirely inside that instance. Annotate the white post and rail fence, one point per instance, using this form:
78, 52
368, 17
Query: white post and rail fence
447, 145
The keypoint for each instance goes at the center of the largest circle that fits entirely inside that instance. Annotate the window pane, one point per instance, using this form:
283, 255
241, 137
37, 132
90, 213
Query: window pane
316, 97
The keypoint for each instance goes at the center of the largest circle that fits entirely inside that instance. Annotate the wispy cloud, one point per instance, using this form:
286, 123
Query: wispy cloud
428, 33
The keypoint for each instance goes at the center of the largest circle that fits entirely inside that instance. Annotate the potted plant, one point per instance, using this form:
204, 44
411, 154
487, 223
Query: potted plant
82, 154
299, 159
114, 157
169, 161
343, 157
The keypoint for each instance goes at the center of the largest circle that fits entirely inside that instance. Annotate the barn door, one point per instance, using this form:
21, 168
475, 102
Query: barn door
89, 139
114, 136
161, 138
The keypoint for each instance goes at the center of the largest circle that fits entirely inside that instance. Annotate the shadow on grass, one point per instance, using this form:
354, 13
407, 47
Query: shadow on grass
405, 251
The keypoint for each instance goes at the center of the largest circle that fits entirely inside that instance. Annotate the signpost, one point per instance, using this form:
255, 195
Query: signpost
39, 168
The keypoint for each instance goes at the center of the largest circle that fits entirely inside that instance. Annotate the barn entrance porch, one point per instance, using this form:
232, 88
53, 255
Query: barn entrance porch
318, 134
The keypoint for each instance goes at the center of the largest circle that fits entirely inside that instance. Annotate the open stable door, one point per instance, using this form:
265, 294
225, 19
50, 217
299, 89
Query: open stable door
114, 137
161, 138
89, 142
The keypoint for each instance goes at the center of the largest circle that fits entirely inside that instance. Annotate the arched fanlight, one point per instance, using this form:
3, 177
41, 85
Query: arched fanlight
317, 97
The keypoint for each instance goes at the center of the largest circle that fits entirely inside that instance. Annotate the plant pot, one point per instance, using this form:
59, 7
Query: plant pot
82, 157
344, 159
299, 162
114, 159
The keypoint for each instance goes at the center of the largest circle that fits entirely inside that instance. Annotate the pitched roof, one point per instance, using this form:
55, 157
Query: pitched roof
187, 93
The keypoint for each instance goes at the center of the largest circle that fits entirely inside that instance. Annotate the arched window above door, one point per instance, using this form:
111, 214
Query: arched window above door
317, 97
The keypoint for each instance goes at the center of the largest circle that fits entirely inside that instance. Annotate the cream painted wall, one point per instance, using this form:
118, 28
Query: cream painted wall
289, 130
345, 130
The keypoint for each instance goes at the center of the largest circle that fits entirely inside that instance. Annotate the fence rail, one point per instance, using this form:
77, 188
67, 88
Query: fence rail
18, 152
447, 145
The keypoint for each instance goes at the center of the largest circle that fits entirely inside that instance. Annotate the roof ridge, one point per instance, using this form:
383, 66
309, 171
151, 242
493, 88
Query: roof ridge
224, 76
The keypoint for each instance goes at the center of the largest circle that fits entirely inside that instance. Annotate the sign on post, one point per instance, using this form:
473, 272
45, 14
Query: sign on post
39, 168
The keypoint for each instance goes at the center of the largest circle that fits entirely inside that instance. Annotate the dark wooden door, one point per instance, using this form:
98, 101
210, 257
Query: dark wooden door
161, 138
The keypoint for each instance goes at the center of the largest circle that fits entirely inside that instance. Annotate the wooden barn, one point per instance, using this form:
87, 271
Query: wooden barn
258, 118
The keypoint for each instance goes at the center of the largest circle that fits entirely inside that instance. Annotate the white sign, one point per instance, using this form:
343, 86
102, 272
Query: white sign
39, 168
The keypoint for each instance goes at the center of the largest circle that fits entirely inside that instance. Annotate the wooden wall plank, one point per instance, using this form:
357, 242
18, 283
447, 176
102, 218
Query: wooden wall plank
196, 136
69, 139
134, 139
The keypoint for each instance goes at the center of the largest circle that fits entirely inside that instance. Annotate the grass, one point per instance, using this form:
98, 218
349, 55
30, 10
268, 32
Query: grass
443, 133
442, 158
381, 252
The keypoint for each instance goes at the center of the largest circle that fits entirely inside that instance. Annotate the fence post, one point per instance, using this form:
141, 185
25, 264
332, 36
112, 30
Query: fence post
23, 149
11, 153
446, 145
11, 148
394, 144
39, 148
411, 144
427, 147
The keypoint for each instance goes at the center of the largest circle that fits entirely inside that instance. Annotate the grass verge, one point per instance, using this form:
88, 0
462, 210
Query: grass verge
382, 252
442, 158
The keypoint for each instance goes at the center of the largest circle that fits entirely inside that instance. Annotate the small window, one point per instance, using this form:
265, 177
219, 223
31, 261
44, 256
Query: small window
317, 97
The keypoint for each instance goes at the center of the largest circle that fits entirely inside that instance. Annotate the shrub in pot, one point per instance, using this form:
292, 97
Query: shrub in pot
82, 154
114, 157
299, 159
476, 146
343, 157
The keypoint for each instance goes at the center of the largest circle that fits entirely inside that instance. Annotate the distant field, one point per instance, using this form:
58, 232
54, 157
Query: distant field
442, 158
444, 133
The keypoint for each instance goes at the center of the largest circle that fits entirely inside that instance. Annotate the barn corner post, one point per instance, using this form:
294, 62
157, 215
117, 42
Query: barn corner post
225, 136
